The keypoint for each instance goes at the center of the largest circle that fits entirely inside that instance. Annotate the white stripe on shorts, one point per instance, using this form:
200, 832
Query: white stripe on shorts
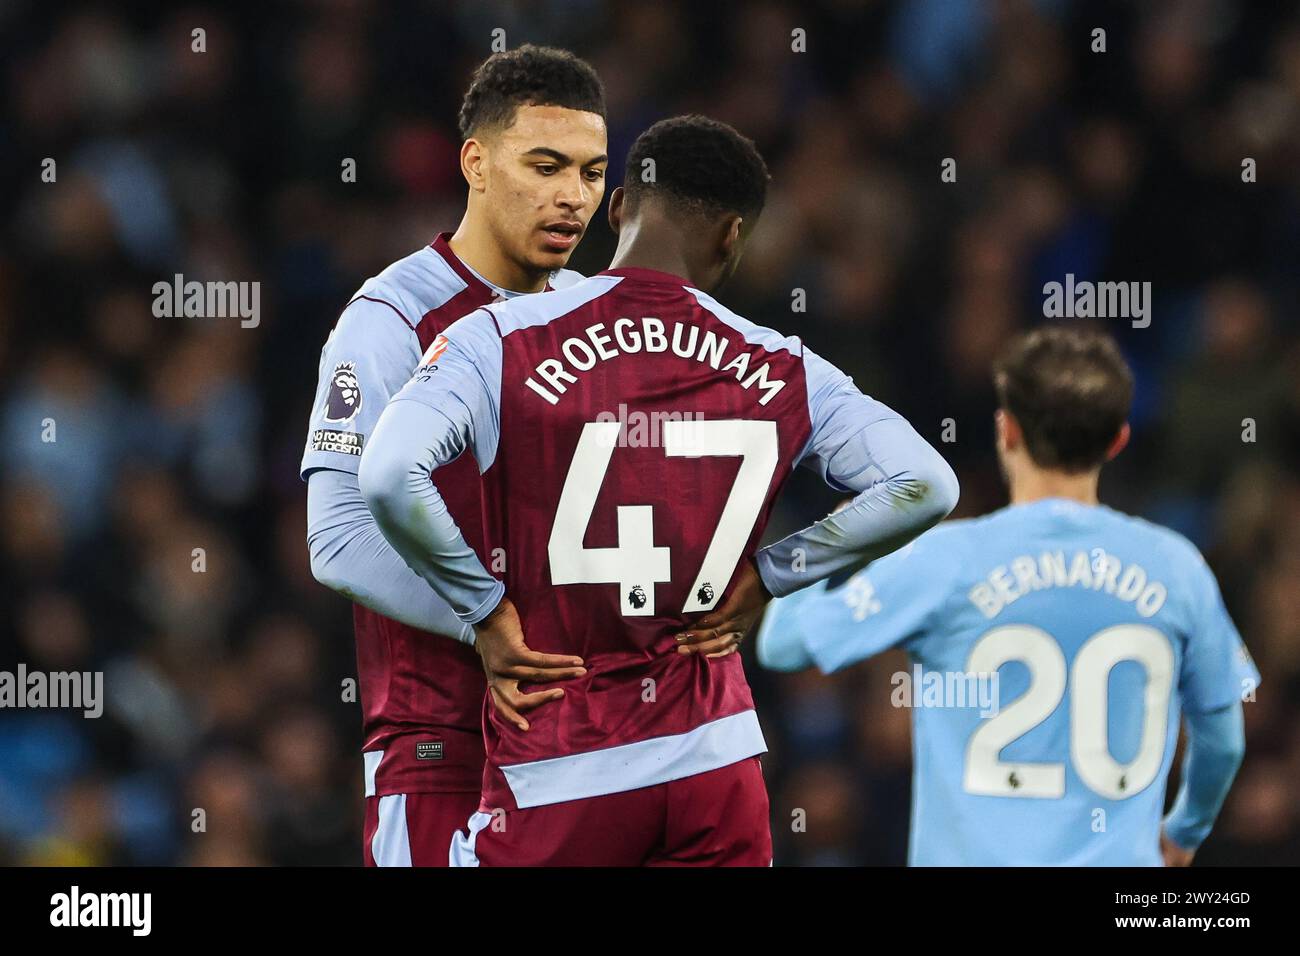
464, 850
719, 743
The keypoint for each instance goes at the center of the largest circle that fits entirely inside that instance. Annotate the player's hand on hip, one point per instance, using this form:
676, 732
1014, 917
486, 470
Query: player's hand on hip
720, 632
507, 660
1174, 855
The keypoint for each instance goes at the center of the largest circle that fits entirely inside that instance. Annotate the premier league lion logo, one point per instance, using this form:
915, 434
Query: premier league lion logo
705, 594
344, 400
636, 597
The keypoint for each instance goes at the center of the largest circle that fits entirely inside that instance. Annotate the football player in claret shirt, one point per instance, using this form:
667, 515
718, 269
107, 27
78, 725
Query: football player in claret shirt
635, 548
533, 122
1100, 627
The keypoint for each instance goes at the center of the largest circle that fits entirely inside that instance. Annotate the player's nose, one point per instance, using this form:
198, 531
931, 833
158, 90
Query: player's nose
576, 193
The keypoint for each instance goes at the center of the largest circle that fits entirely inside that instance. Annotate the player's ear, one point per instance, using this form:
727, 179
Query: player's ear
1118, 445
473, 164
731, 237
616, 209
1009, 435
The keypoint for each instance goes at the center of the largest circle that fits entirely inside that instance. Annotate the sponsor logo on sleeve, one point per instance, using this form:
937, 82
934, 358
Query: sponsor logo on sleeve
344, 399
434, 352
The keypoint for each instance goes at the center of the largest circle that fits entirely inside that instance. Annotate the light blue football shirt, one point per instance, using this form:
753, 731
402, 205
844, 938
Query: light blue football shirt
1100, 628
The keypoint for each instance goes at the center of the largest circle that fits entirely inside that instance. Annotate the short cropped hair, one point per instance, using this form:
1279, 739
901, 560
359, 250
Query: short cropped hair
1070, 389
528, 76
700, 165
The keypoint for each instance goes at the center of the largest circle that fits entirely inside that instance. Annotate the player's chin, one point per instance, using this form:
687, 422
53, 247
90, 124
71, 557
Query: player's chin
549, 262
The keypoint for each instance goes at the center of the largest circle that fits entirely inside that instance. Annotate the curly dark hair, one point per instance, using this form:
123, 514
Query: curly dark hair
1070, 389
701, 164
528, 76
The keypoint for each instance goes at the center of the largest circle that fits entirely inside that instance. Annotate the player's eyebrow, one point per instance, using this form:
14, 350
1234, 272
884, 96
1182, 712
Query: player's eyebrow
563, 159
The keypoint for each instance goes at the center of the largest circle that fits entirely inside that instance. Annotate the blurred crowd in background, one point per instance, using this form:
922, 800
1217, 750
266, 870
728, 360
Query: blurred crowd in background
225, 687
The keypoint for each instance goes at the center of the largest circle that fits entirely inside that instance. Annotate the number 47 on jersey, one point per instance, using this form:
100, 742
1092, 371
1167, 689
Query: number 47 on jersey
636, 564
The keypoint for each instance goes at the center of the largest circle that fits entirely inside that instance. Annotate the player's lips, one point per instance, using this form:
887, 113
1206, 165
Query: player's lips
562, 234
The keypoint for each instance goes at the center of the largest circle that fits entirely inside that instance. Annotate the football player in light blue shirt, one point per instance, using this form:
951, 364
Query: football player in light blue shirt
1054, 645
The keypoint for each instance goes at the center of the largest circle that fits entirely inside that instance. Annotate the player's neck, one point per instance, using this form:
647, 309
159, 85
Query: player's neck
1035, 484
639, 248
474, 245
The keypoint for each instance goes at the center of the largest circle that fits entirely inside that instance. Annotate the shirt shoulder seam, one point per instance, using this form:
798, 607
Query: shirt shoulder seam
378, 301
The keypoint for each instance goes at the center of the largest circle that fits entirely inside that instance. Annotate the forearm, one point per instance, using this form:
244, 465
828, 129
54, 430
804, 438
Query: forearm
410, 441
904, 487
1216, 743
350, 555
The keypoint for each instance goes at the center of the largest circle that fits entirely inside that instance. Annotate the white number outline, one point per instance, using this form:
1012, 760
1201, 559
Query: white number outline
636, 564
1089, 676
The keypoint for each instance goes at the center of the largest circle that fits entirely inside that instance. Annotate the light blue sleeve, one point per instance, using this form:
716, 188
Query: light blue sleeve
858, 444
451, 405
369, 355
350, 555
464, 382
1216, 744
1217, 670
892, 602
782, 642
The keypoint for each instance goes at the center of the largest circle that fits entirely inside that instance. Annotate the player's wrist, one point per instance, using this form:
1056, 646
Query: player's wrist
489, 620
763, 589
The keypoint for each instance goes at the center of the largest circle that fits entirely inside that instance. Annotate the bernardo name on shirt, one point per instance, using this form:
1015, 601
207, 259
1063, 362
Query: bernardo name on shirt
1096, 570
